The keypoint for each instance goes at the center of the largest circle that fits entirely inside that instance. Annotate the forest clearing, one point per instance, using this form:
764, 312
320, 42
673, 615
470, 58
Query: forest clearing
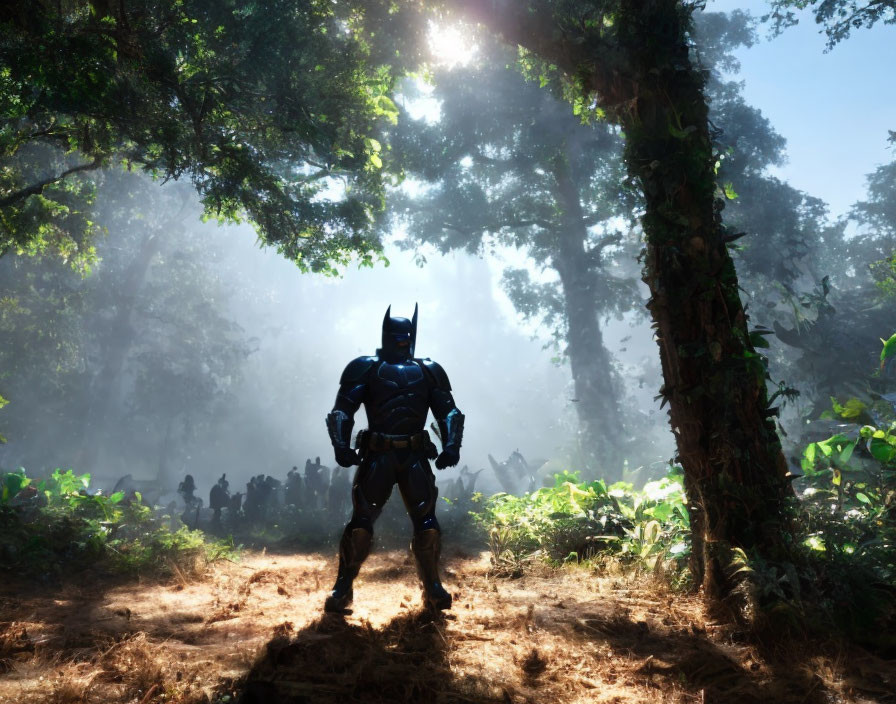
645, 250
254, 631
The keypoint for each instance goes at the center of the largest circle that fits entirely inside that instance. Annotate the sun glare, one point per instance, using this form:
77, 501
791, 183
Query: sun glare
450, 46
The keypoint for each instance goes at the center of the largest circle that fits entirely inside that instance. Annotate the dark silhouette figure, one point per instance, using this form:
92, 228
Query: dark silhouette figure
271, 495
294, 488
338, 492
469, 479
219, 498
234, 507
187, 490
397, 391
254, 501
192, 503
316, 483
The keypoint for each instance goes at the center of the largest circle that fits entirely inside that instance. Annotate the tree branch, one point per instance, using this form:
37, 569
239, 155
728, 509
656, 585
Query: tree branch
591, 56
37, 188
608, 241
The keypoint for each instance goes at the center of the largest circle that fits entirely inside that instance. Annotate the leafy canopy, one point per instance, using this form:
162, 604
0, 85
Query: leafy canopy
838, 17
270, 109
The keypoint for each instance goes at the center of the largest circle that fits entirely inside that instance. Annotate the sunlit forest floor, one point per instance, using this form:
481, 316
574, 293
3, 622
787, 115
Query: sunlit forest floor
253, 631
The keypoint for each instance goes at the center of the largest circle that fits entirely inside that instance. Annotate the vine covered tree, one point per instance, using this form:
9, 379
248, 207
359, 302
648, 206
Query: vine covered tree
635, 60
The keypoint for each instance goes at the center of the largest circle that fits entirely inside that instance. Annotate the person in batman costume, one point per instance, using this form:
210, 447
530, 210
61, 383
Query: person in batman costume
397, 391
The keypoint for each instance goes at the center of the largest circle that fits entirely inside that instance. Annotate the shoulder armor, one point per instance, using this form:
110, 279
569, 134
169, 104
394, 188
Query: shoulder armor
435, 372
357, 369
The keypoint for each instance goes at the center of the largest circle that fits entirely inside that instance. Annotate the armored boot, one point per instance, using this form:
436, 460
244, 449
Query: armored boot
353, 550
426, 546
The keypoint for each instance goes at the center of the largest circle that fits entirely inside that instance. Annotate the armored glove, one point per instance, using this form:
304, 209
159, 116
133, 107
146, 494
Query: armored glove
448, 457
346, 457
339, 426
451, 429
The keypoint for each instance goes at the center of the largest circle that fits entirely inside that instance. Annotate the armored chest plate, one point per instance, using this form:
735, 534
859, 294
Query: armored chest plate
399, 376
398, 398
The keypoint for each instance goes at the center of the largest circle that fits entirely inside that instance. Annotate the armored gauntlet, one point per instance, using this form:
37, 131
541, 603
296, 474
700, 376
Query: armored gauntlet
451, 428
339, 426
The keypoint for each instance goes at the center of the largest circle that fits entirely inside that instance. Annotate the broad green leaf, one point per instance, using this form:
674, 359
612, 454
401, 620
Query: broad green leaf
888, 351
757, 338
809, 453
846, 452
881, 450
853, 408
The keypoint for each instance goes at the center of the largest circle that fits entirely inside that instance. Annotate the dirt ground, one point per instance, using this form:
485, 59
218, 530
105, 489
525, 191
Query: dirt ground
254, 632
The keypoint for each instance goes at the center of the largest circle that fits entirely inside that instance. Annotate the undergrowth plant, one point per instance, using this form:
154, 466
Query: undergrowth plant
842, 568
53, 525
590, 521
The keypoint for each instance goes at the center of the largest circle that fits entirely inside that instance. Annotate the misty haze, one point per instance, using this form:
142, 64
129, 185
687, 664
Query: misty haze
454, 351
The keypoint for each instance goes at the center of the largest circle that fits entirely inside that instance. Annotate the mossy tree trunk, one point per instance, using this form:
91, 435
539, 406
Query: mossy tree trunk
634, 54
714, 380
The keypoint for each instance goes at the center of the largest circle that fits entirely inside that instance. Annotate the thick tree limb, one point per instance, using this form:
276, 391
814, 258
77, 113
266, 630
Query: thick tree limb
584, 52
594, 253
37, 188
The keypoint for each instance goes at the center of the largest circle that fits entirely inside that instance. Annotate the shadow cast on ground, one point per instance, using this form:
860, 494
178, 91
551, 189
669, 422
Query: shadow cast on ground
687, 659
332, 660
59, 615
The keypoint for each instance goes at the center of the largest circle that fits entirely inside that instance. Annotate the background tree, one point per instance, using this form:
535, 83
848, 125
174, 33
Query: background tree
508, 164
131, 361
837, 327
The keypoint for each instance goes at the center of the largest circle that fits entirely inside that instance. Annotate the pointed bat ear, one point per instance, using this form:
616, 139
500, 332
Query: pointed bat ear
387, 316
414, 320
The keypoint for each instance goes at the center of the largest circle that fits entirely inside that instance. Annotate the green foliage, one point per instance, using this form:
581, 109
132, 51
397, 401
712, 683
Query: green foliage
55, 525
837, 473
851, 476
888, 351
271, 110
575, 520
884, 274
11, 483
845, 568
838, 17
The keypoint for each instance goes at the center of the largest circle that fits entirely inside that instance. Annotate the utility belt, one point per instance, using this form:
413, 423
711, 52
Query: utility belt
371, 441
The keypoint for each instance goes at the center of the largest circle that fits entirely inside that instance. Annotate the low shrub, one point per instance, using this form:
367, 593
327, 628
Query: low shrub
575, 521
56, 524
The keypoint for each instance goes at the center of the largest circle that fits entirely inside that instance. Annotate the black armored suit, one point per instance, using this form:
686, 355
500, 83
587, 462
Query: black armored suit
397, 391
